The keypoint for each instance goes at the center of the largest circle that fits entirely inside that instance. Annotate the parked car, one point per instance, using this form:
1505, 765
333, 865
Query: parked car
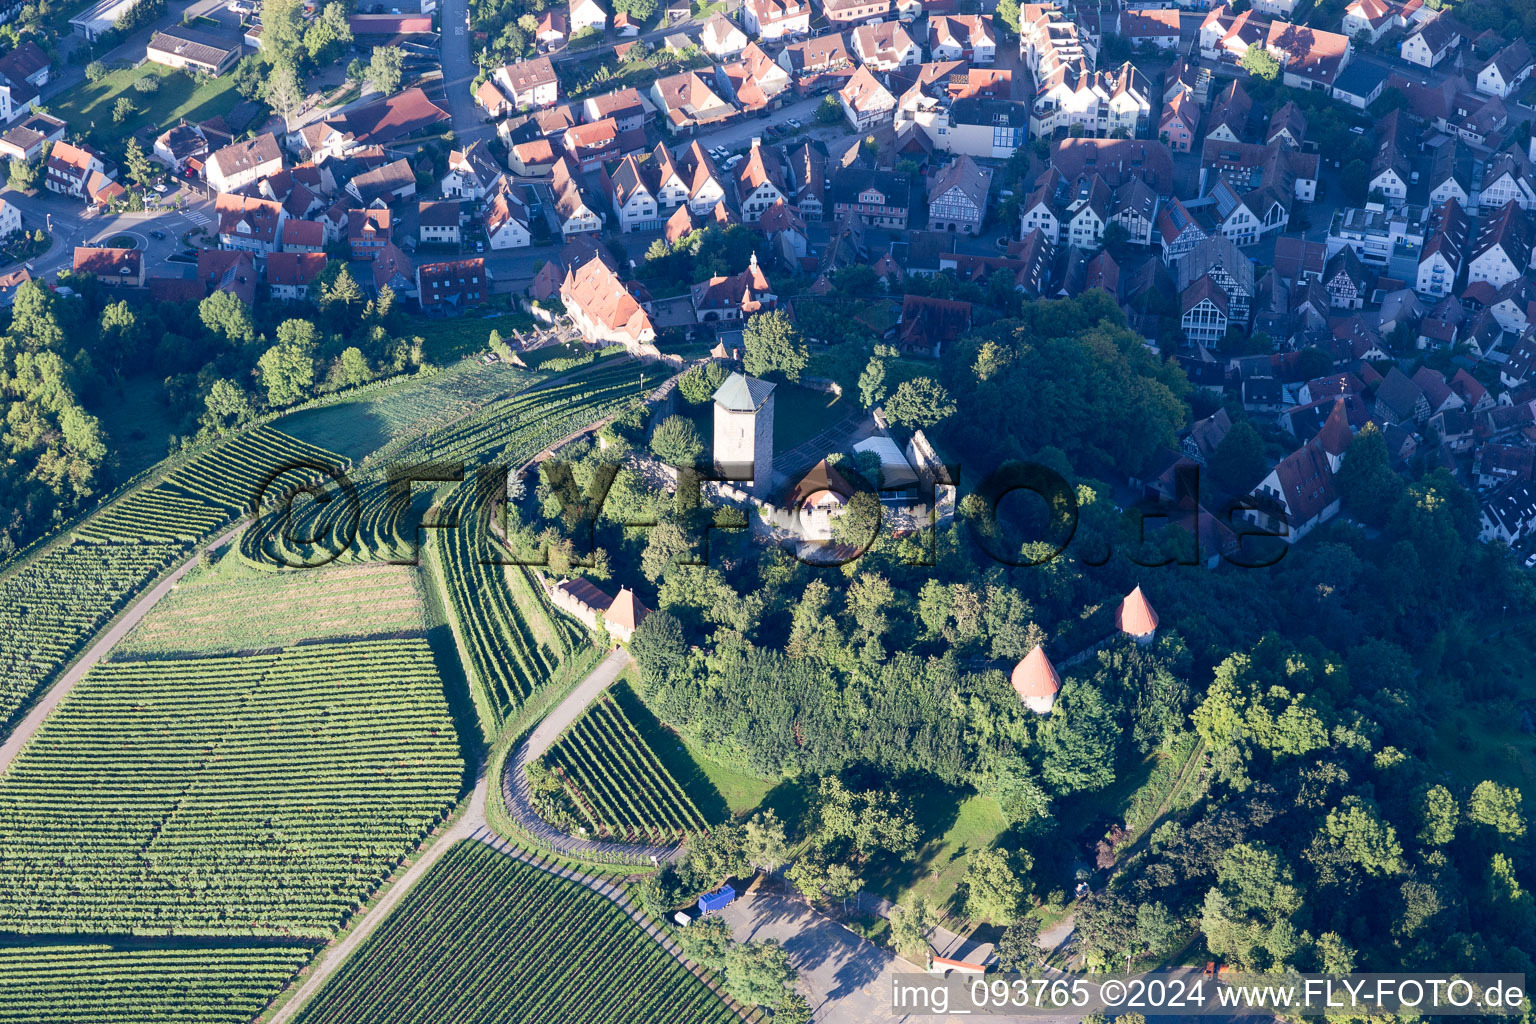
160, 187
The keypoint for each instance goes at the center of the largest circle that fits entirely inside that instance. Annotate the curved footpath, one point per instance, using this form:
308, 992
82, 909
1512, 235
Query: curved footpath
514, 780
104, 643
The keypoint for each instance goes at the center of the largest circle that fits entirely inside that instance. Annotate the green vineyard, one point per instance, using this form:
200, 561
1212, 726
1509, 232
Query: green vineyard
195, 500
50, 608
614, 784
382, 522
101, 985
489, 939
255, 795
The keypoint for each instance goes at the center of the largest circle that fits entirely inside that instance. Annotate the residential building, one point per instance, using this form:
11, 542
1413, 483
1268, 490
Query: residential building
472, 173
817, 64
587, 14
1180, 123
1228, 120
1151, 26
529, 83
721, 38
254, 225
385, 183
1098, 103
631, 189
1346, 280
1287, 126
112, 267
1224, 263
301, 235
760, 182
290, 274
1441, 260
866, 103
957, 197
962, 37
885, 46
575, 214
243, 163
506, 220
1431, 41
368, 232
25, 139
687, 102
437, 223
1508, 177
1450, 175
1505, 71
755, 82
1298, 494
628, 108
452, 285
1502, 249
775, 19
1203, 312
878, 198
1390, 171
852, 12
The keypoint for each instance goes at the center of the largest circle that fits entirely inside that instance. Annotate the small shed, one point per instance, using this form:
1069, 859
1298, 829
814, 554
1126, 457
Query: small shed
717, 900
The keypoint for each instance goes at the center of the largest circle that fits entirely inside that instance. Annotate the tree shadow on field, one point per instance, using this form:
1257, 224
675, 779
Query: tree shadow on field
461, 707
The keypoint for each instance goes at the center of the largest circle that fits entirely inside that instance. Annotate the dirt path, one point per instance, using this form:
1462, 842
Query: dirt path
99, 649
514, 782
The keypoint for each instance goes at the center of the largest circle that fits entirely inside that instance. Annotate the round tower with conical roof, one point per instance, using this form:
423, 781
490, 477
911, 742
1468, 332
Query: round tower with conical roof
1036, 682
1135, 617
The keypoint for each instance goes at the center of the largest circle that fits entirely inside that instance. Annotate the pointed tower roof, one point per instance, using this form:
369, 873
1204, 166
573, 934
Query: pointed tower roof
1135, 615
1035, 676
741, 393
626, 610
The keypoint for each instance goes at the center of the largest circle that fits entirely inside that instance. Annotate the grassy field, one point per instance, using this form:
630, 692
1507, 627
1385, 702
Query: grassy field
137, 423
355, 428
88, 106
800, 413
462, 336
953, 826
231, 607
1481, 742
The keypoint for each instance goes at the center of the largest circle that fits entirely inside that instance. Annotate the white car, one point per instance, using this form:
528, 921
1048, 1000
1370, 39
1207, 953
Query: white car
160, 187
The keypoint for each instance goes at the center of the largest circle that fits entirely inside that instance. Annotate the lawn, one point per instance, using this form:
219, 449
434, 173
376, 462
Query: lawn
1484, 741
447, 340
954, 825
800, 413
88, 107
138, 423
229, 607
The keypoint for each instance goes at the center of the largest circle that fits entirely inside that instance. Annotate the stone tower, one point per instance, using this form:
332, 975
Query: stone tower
744, 433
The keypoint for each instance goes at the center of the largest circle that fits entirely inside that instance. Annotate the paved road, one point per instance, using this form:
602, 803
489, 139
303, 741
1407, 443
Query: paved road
515, 780
458, 72
104, 643
68, 222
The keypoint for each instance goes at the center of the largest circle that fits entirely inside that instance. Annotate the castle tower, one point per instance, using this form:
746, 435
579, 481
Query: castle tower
1135, 617
1036, 682
744, 433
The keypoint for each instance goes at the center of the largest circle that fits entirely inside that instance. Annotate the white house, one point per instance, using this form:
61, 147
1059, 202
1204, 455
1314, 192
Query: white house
588, 14
243, 163
775, 19
1505, 70
472, 173
633, 195
1430, 42
506, 221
